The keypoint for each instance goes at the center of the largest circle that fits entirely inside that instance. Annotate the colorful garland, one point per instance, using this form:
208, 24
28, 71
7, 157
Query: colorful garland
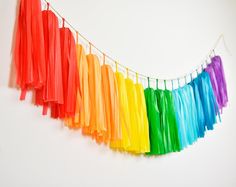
107, 106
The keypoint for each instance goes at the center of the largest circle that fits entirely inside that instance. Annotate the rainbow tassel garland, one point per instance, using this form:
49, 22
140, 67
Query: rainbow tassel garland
107, 106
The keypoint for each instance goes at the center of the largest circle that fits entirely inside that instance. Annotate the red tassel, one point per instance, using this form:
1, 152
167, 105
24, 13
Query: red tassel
52, 92
29, 57
70, 79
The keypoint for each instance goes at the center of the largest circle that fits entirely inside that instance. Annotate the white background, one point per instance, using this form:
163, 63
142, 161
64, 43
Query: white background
158, 38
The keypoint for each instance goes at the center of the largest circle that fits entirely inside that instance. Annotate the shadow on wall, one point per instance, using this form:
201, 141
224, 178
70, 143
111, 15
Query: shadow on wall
12, 73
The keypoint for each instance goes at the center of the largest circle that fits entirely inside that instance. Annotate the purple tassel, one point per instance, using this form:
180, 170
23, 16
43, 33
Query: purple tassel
217, 76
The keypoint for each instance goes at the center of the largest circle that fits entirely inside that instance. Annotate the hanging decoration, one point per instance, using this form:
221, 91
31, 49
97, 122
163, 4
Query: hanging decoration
106, 105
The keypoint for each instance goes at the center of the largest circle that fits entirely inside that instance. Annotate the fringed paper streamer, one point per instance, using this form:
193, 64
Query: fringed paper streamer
97, 127
191, 118
216, 72
142, 113
207, 97
29, 57
52, 91
168, 121
82, 111
70, 81
134, 116
180, 110
199, 108
155, 127
111, 104
125, 142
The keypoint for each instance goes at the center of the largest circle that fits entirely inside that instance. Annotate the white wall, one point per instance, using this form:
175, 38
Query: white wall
159, 38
